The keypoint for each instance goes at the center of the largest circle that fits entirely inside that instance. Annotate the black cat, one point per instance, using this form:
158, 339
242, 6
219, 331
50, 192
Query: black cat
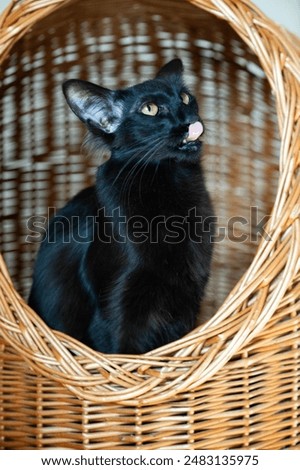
124, 265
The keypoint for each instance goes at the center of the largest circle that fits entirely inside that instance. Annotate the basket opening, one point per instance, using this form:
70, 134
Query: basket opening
118, 44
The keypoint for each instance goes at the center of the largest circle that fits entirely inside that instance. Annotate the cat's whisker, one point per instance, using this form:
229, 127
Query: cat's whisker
129, 180
141, 166
130, 176
155, 172
145, 166
141, 149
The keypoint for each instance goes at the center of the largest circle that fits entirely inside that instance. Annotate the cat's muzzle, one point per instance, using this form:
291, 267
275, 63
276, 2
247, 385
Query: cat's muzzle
191, 140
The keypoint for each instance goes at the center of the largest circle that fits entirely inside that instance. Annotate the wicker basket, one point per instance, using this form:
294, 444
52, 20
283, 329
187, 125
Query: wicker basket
233, 382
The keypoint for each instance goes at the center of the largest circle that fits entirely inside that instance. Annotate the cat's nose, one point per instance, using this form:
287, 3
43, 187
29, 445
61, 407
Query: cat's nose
194, 131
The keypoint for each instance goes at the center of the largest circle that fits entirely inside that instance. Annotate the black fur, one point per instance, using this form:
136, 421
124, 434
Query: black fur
124, 265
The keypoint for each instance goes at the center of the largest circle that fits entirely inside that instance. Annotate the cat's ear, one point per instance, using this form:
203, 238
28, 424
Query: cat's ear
174, 67
97, 107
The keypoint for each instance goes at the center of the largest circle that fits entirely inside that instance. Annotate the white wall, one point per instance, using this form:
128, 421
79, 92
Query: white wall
285, 12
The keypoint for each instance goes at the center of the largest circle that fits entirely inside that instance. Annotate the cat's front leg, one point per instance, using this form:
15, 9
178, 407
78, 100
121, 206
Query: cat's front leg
156, 312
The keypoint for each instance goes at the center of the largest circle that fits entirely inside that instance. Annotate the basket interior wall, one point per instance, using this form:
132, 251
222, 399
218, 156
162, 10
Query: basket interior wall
118, 44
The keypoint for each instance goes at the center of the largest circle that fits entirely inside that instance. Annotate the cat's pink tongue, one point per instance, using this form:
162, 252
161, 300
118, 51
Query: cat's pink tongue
195, 130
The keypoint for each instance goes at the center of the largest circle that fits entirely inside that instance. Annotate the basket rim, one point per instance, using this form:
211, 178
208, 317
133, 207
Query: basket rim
192, 360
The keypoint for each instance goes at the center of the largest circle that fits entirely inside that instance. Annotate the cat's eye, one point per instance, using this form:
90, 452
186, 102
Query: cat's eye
150, 109
185, 98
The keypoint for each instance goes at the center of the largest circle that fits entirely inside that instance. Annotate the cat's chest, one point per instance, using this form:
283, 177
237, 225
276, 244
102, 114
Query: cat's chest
159, 191
159, 200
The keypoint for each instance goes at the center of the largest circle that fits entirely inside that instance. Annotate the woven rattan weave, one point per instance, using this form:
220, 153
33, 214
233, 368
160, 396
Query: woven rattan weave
233, 382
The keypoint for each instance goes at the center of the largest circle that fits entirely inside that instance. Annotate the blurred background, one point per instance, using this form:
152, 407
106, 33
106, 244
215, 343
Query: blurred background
286, 13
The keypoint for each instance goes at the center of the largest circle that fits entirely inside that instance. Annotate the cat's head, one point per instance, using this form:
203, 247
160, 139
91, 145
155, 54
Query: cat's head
159, 116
